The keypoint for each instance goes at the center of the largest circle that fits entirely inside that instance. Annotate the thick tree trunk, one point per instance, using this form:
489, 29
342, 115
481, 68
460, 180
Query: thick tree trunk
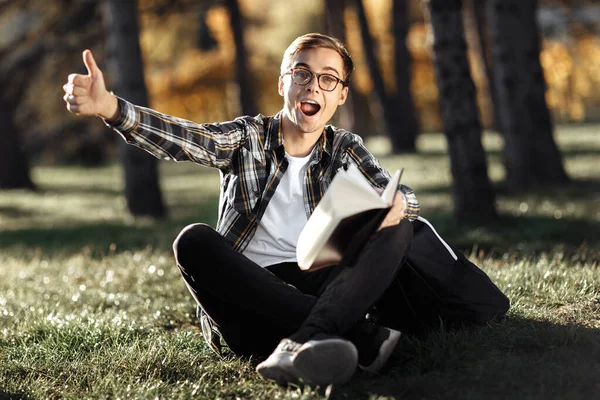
242, 71
142, 190
472, 192
531, 157
404, 141
14, 169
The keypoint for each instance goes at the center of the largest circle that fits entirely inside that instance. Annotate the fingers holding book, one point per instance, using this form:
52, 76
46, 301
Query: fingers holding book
396, 214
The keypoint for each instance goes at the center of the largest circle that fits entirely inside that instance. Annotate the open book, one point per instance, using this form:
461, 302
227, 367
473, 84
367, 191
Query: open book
349, 212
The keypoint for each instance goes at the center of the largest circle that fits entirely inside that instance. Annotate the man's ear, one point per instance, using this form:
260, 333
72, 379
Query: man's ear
280, 86
343, 95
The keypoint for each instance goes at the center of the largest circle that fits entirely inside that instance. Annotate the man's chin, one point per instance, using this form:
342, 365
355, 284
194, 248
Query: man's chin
309, 129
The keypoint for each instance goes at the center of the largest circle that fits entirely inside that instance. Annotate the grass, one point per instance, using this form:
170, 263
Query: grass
91, 305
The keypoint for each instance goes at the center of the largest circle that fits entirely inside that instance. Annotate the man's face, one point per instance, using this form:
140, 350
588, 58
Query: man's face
309, 107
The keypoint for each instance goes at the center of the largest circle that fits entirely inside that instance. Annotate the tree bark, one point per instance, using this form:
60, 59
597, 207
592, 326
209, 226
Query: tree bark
397, 108
334, 21
387, 107
14, 169
405, 141
531, 157
242, 71
478, 8
472, 192
142, 190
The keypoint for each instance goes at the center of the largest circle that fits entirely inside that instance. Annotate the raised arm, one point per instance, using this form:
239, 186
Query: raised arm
164, 136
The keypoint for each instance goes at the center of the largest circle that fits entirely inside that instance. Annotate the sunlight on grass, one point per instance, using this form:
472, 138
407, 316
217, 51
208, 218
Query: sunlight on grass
92, 305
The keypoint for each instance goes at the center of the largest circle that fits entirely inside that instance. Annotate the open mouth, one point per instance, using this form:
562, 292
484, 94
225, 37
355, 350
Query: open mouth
310, 107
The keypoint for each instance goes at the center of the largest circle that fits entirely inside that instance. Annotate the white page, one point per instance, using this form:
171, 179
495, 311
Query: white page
392, 188
351, 193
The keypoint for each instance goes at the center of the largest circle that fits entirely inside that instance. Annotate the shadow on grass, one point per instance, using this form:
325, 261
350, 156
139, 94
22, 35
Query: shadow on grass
519, 358
565, 153
100, 238
525, 234
78, 190
15, 212
577, 189
12, 396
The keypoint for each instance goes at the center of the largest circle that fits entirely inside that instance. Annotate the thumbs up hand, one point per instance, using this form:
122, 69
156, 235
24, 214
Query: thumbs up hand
87, 94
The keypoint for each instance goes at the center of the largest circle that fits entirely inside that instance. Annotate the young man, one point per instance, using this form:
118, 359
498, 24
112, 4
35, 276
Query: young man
274, 171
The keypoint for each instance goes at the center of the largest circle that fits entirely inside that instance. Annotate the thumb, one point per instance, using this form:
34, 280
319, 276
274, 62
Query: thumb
90, 63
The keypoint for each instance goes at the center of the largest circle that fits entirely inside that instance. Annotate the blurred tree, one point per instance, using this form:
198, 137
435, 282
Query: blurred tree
531, 157
30, 38
472, 192
14, 168
204, 37
334, 21
142, 190
403, 99
397, 107
242, 72
477, 8
355, 115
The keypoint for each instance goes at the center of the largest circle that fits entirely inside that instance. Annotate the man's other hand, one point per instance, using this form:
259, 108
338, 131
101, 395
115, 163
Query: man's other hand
395, 214
87, 94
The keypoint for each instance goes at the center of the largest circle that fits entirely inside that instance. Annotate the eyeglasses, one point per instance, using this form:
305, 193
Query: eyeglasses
303, 76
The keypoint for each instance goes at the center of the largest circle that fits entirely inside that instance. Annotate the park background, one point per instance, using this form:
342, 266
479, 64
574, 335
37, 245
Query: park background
90, 302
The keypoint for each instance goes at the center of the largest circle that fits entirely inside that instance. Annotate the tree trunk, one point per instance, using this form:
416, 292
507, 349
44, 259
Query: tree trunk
472, 192
479, 16
334, 20
14, 169
205, 41
385, 102
531, 157
142, 190
404, 141
242, 71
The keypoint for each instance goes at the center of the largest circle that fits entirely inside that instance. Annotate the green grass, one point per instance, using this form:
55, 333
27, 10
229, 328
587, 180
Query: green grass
92, 306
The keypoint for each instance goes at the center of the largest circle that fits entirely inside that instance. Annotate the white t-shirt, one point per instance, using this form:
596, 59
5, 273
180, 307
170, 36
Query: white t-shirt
277, 232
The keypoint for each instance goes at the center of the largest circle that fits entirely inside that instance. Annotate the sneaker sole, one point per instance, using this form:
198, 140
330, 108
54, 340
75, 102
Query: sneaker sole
325, 362
317, 363
385, 351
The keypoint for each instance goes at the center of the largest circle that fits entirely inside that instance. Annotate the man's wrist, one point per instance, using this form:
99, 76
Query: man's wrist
113, 110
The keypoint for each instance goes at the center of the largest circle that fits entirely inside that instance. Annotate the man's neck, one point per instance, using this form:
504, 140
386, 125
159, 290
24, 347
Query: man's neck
298, 144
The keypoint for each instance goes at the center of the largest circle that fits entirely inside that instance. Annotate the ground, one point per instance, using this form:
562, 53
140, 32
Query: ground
92, 306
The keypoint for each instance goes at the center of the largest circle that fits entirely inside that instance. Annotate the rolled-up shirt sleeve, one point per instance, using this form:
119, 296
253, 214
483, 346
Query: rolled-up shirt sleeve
173, 138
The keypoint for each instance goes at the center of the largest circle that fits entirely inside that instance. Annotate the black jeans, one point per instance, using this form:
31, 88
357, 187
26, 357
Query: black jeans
256, 307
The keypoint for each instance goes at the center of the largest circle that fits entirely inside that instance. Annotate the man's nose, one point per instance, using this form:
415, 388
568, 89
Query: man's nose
313, 85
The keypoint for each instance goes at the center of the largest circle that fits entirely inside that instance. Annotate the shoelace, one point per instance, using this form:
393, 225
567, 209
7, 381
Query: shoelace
289, 346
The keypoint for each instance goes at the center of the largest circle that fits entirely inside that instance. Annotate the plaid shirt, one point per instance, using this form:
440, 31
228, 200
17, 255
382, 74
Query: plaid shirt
250, 155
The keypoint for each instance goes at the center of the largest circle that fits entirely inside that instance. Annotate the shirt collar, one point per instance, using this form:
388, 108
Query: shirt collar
274, 137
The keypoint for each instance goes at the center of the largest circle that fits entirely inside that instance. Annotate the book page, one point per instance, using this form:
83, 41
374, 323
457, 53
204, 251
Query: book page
335, 221
392, 188
350, 193
314, 236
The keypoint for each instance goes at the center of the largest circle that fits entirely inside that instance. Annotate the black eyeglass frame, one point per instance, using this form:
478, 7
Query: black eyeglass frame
312, 75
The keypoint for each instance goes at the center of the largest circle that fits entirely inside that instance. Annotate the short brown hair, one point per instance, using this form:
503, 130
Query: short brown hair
318, 40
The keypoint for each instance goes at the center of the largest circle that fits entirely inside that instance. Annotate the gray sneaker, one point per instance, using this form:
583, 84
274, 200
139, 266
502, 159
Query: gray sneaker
316, 362
374, 354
